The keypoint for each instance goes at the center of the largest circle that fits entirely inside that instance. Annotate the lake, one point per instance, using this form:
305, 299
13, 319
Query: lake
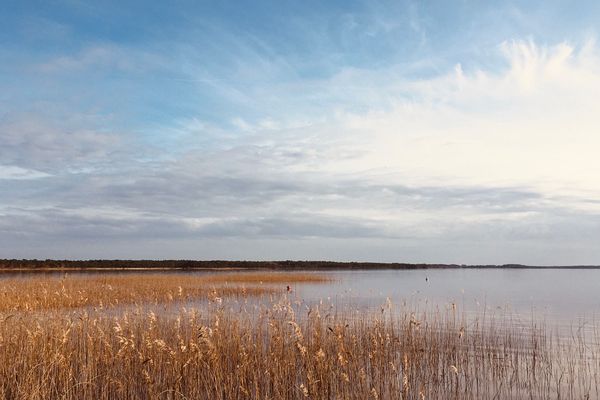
562, 297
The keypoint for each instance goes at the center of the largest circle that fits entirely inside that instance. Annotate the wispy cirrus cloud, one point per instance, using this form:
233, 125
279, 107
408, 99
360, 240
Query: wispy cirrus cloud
350, 135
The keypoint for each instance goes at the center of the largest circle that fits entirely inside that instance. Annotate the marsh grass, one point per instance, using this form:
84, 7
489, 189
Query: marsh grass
241, 349
80, 290
268, 277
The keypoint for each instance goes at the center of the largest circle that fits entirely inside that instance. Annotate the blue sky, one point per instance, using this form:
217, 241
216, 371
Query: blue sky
384, 131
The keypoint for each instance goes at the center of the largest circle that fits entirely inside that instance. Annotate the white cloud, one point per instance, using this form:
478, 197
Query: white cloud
534, 124
41, 141
14, 172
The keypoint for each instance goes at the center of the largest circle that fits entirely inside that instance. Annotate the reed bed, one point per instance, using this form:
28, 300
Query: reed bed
268, 277
276, 348
72, 291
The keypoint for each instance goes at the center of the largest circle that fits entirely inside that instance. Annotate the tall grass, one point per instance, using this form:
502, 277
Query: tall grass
241, 349
79, 290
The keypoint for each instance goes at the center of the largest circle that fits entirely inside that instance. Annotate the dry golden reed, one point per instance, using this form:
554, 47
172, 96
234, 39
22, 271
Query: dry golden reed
240, 348
79, 290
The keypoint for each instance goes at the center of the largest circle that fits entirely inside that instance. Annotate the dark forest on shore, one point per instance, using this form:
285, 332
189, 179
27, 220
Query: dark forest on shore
15, 264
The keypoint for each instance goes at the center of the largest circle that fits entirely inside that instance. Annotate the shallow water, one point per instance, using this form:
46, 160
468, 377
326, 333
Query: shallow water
558, 295
565, 297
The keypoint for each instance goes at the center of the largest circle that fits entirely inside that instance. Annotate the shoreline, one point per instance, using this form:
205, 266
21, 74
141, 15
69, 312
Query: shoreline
221, 265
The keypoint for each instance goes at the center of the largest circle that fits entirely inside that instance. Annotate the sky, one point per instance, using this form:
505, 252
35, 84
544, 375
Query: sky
405, 131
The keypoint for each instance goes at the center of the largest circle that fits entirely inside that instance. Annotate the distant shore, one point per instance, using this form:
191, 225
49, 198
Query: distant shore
184, 265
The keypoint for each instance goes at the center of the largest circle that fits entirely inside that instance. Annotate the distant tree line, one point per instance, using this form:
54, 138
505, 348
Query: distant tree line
221, 264
216, 264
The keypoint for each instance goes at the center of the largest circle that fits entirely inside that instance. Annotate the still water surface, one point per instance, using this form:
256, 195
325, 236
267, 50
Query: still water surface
564, 296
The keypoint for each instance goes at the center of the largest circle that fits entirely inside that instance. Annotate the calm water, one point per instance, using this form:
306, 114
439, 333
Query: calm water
558, 295
561, 296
